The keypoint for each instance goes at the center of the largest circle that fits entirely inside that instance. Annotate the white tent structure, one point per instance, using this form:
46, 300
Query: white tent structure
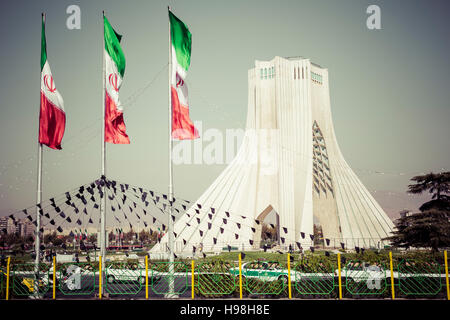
289, 162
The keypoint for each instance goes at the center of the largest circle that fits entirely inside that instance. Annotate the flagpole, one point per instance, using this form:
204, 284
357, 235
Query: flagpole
38, 217
37, 242
170, 222
103, 199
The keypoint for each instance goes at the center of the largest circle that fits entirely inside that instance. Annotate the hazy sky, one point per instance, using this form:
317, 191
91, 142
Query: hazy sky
389, 88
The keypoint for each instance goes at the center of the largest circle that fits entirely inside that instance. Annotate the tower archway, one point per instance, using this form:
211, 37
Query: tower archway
268, 216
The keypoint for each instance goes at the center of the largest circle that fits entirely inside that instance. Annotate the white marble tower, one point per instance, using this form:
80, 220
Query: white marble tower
289, 162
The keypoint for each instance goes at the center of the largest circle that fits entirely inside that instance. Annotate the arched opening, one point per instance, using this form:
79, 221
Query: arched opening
268, 230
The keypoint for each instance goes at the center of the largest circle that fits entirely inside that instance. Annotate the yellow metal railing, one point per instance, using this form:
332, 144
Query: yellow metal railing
192, 280
392, 275
54, 277
100, 277
7, 278
240, 276
340, 269
446, 275
146, 277
339, 275
289, 275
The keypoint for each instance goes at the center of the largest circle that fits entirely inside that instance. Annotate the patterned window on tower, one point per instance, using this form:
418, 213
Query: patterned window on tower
267, 73
316, 78
322, 182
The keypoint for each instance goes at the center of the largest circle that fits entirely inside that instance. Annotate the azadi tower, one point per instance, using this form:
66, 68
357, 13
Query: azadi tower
289, 163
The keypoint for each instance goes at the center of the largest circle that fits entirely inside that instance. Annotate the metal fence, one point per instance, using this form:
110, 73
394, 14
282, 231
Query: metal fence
2, 283
76, 279
216, 278
124, 278
314, 276
169, 278
29, 279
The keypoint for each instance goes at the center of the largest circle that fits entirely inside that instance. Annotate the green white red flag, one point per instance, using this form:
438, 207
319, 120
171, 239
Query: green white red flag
115, 130
52, 117
181, 40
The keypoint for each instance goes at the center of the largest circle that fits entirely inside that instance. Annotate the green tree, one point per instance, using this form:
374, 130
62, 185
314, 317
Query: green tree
12, 238
57, 242
430, 227
153, 236
50, 237
144, 236
438, 184
318, 234
92, 238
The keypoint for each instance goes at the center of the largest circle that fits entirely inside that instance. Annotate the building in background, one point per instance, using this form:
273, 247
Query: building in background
22, 227
25, 228
7, 225
289, 165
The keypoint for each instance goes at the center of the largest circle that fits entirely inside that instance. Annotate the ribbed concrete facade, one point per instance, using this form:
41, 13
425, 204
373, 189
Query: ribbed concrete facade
289, 162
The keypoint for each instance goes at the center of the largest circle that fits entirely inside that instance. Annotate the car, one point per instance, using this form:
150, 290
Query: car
30, 284
371, 274
264, 271
361, 271
133, 272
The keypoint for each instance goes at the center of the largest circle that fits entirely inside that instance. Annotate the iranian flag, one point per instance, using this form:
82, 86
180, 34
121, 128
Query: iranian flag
52, 118
114, 60
182, 126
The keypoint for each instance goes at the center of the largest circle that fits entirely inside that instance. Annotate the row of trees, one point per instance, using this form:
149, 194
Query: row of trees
53, 239
430, 227
143, 236
13, 239
427, 228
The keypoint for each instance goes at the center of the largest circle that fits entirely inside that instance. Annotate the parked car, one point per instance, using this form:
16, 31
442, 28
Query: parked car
129, 273
363, 271
263, 271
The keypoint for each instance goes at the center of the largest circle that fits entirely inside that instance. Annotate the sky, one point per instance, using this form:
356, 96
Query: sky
388, 87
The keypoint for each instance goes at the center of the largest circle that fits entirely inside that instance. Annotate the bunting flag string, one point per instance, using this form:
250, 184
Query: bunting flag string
258, 222
132, 196
27, 214
62, 213
76, 211
184, 207
95, 186
155, 201
112, 197
90, 189
155, 195
54, 203
224, 221
138, 206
